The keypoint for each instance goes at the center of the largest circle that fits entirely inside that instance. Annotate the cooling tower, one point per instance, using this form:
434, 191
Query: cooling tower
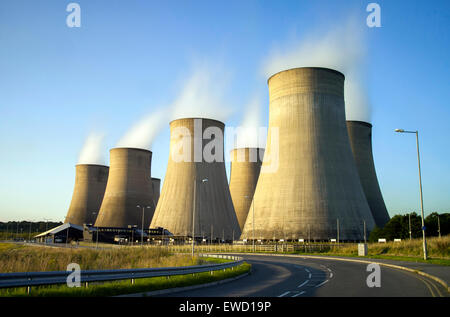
316, 184
214, 208
90, 184
129, 185
156, 186
244, 172
360, 134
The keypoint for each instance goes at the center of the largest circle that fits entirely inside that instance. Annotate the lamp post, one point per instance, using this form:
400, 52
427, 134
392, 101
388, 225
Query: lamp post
410, 232
439, 227
205, 180
96, 241
253, 222
421, 194
142, 233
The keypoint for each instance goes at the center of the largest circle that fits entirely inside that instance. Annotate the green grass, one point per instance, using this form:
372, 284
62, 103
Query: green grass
21, 258
125, 286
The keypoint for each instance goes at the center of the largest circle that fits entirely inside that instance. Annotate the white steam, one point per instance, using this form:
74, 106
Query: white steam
91, 153
250, 133
142, 134
203, 94
342, 48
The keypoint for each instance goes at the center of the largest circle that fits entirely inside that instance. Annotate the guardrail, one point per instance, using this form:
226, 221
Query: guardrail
29, 279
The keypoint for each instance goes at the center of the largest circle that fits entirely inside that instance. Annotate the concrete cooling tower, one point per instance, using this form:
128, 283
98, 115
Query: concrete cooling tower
129, 185
244, 172
315, 189
156, 186
360, 134
90, 184
214, 212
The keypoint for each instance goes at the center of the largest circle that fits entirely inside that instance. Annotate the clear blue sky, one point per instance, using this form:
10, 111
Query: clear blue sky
57, 84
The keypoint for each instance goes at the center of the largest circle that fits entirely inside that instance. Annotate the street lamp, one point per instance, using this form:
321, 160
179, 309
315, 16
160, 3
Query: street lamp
205, 180
142, 233
421, 195
253, 222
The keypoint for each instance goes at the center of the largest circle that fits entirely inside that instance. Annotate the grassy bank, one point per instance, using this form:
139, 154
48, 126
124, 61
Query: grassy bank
21, 258
407, 250
125, 287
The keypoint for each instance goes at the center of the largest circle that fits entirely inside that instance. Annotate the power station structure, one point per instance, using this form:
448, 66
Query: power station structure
195, 189
360, 134
156, 186
244, 173
129, 185
88, 192
314, 192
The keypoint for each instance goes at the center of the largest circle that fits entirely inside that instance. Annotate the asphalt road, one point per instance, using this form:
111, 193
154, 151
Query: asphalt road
305, 277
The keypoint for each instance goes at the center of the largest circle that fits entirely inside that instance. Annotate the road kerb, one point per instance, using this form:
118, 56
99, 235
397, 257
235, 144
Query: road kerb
435, 278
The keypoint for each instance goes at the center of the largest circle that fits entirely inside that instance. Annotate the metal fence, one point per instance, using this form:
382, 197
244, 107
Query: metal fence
29, 279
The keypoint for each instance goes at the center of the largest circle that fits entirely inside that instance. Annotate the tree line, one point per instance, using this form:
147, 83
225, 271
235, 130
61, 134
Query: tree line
399, 226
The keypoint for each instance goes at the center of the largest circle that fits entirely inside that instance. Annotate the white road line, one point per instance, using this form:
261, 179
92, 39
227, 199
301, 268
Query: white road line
303, 283
299, 294
306, 270
331, 275
309, 275
284, 294
329, 270
321, 283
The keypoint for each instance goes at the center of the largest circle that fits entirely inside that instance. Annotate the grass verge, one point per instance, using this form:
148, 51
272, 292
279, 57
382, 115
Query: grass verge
125, 287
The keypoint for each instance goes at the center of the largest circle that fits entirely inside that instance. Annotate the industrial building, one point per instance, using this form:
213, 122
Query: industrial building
195, 180
129, 185
89, 189
64, 233
244, 173
315, 193
360, 134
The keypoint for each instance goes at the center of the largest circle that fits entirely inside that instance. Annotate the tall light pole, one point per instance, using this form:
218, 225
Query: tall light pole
205, 180
365, 232
421, 195
253, 221
142, 232
410, 232
96, 242
439, 227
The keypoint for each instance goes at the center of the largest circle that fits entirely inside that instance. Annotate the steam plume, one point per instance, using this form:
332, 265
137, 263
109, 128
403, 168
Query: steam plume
142, 134
91, 153
342, 48
202, 95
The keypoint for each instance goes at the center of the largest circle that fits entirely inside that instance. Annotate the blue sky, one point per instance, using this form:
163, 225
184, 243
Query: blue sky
129, 58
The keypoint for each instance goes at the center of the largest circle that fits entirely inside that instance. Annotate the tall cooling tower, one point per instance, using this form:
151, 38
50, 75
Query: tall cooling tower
90, 184
360, 134
156, 186
214, 208
315, 189
129, 185
244, 173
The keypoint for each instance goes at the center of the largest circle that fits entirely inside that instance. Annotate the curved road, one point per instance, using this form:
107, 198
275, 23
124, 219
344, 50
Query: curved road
300, 277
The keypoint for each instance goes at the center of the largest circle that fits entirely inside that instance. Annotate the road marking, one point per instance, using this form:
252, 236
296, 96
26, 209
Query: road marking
309, 275
331, 275
306, 270
299, 294
428, 286
329, 270
303, 283
321, 283
284, 294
